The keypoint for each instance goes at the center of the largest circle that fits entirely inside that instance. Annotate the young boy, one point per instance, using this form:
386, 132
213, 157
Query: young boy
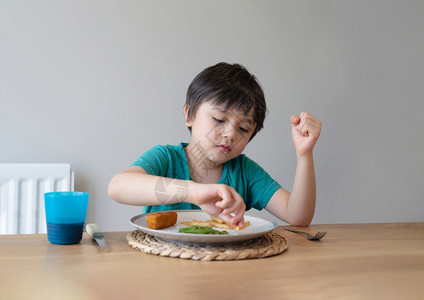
224, 110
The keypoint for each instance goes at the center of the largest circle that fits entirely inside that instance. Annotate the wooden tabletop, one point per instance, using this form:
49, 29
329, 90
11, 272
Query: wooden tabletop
355, 261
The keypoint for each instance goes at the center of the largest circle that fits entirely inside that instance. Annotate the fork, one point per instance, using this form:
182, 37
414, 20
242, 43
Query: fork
319, 235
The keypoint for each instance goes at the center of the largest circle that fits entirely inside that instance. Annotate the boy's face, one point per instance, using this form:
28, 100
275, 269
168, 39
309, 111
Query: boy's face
221, 134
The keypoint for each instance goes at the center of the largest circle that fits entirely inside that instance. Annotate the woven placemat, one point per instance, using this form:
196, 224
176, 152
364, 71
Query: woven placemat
267, 245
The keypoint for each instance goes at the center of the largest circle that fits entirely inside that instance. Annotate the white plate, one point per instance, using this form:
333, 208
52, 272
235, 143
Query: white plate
257, 228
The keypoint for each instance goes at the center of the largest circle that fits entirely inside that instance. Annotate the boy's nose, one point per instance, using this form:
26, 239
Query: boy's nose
229, 131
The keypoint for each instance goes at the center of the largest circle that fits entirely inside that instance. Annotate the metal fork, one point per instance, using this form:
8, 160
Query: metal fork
316, 237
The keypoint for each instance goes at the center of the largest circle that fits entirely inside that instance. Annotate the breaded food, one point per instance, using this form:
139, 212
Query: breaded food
161, 220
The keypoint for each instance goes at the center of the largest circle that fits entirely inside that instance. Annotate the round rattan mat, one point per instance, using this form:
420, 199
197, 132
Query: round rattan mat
267, 245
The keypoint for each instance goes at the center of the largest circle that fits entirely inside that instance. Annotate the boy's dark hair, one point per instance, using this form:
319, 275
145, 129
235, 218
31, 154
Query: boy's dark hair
231, 86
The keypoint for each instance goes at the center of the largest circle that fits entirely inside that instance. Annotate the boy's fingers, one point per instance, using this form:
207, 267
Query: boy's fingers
240, 208
225, 195
236, 204
309, 124
305, 123
239, 218
295, 120
237, 210
236, 219
226, 218
233, 207
296, 123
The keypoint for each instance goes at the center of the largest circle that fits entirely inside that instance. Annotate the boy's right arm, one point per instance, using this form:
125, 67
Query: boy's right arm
134, 186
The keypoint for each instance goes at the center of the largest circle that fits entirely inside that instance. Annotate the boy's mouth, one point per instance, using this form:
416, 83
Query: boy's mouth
224, 148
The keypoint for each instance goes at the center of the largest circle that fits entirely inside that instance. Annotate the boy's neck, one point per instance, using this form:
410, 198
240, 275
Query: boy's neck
202, 169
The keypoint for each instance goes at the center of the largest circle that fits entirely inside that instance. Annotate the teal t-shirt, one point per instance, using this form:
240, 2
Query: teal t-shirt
249, 179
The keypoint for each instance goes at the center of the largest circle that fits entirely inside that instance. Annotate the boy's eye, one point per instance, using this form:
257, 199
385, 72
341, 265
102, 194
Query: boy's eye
244, 130
218, 120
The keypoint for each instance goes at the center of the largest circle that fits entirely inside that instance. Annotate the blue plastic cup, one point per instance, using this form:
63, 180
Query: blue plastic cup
65, 216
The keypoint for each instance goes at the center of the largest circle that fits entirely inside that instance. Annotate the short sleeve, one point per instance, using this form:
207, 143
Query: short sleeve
154, 161
261, 185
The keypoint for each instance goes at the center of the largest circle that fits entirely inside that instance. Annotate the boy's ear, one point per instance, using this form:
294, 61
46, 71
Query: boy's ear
187, 120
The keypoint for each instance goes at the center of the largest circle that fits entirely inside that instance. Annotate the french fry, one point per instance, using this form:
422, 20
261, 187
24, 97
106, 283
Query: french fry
247, 223
218, 220
221, 225
197, 223
214, 222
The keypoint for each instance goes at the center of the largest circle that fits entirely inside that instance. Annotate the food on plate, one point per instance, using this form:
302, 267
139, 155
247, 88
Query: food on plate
214, 222
217, 220
206, 223
161, 220
201, 230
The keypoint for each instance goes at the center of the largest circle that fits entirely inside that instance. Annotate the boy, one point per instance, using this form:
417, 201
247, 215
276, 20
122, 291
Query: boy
224, 110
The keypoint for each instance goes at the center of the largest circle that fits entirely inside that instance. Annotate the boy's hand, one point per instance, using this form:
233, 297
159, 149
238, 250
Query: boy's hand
220, 201
305, 132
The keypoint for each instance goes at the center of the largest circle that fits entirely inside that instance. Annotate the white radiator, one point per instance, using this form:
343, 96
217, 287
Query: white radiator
22, 194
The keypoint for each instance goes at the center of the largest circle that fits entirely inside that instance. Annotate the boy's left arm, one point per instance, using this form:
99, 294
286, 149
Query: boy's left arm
298, 207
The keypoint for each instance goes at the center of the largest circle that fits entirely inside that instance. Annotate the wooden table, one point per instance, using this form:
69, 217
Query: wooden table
355, 261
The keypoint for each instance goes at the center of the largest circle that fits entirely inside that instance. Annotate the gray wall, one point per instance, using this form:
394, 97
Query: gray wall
96, 83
